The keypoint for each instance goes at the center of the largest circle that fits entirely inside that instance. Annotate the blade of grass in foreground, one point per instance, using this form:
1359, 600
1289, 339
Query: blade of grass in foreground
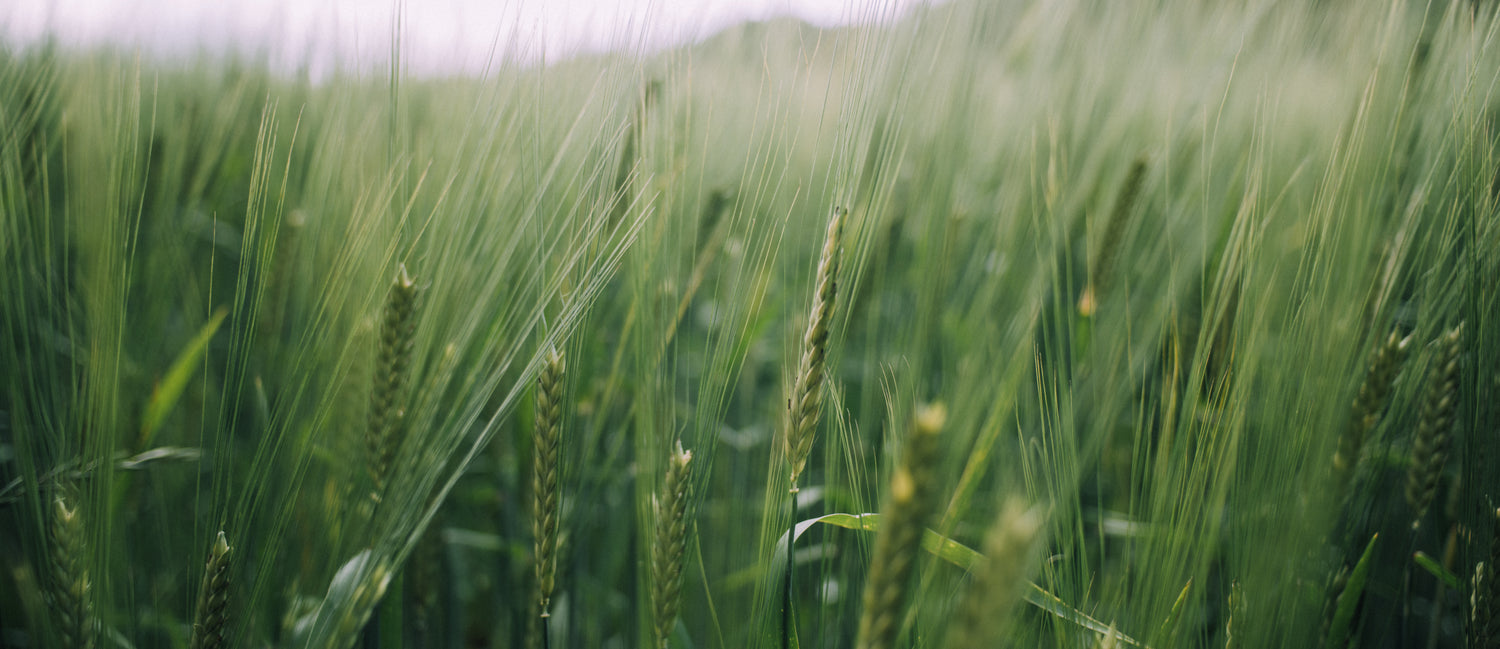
1341, 629
169, 390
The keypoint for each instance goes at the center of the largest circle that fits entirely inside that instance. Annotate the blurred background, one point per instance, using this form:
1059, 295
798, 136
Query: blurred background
439, 38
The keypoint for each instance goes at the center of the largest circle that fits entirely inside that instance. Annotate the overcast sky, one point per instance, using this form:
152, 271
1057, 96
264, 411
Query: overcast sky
438, 36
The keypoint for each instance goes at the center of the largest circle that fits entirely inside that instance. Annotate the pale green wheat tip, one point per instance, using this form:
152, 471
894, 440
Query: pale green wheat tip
211, 620
670, 547
807, 393
70, 579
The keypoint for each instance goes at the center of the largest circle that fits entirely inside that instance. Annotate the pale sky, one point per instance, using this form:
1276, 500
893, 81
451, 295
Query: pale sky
439, 36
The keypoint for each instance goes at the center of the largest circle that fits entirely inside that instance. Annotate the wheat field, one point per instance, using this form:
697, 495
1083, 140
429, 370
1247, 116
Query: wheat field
1046, 323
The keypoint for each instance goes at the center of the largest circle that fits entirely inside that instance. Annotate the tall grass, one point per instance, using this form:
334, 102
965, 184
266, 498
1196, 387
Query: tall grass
1144, 253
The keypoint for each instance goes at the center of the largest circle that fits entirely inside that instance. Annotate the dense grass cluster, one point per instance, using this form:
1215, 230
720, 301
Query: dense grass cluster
1060, 323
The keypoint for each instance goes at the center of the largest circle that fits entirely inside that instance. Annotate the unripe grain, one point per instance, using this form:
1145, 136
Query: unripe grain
669, 549
211, 621
900, 538
807, 393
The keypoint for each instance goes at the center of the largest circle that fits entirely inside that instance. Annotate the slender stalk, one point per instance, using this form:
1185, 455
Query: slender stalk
788, 625
424, 576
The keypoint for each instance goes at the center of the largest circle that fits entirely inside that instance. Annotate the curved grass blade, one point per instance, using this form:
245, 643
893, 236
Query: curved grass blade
169, 390
1348, 603
1168, 631
75, 470
952, 552
1437, 570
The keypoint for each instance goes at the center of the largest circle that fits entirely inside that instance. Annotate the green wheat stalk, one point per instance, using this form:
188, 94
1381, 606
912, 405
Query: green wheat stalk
423, 576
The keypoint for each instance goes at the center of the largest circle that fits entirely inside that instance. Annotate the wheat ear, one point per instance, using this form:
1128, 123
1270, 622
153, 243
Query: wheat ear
1430, 445
670, 547
900, 537
392, 367
1484, 599
70, 580
545, 439
1492, 589
362, 598
999, 578
211, 621
807, 392
1236, 611
1109, 245
1385, 364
